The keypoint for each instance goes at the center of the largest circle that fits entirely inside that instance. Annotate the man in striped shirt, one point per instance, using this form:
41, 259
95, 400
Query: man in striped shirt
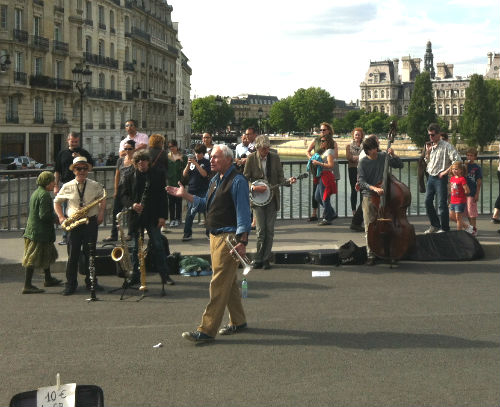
439, 155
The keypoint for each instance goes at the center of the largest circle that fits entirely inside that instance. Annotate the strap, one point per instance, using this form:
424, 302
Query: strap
156, 159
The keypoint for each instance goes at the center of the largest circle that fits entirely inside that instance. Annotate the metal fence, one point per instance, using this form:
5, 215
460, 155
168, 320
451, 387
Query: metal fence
17, 186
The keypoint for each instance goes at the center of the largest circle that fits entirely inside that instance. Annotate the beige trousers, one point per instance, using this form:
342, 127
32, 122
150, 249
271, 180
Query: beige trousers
224, 289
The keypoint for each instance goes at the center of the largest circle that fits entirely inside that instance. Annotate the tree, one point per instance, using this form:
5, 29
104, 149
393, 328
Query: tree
281, 116
208, 116
421, 111
493, 87
478, 123
311, 107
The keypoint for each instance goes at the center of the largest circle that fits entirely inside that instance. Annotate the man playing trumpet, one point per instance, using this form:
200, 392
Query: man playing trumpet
228, 213
80, 193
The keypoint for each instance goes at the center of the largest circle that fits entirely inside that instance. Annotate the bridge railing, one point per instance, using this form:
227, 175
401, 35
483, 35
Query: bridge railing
17, 186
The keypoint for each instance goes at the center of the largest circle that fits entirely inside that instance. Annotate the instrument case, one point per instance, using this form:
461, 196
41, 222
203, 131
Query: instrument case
327, 257
289, 257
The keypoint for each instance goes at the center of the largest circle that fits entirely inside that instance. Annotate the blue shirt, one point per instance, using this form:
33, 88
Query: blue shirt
474, 173
240, 195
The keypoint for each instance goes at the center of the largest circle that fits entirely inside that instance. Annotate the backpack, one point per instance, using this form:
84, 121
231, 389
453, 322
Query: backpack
350, 253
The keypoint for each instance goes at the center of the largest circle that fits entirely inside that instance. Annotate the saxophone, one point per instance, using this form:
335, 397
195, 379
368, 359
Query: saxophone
80, 216
121, 253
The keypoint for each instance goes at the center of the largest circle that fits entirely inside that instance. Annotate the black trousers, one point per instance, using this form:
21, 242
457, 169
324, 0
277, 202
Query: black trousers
175, 207
80, 237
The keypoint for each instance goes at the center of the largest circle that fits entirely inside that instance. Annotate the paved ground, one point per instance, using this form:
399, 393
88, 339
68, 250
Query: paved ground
422, 334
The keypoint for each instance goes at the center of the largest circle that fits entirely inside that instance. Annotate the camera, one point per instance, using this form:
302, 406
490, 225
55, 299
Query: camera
190, 156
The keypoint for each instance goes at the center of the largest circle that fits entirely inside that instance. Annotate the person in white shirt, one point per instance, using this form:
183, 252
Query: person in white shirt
141, 139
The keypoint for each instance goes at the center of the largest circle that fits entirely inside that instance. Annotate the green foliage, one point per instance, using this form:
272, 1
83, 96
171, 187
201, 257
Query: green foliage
207, 116
281, 116
479, 121
493, 87
421, 111
249, 122
311, 107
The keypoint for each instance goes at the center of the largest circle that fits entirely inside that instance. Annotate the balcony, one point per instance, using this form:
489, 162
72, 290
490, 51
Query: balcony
60, 119
128, 66
12, 118
102, 126
20, 35
173, 50
58, 9
139, 34
117, 2
112, 126
20, 77
40, 43
102, 26
60, 47
100, 60
101, 93
38, 119
89, 22
38, 2
89, 126
42, 81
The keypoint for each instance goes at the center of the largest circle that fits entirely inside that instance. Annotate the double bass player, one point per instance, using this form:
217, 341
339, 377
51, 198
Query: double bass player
371, 173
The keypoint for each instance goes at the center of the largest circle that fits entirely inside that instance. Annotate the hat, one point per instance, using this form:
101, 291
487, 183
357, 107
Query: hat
45, 178
79, 160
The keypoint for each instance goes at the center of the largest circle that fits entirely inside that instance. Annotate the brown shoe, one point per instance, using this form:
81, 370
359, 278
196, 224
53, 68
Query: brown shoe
32, 290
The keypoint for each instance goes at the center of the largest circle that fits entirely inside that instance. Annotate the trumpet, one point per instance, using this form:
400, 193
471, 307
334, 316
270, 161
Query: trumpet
244, 260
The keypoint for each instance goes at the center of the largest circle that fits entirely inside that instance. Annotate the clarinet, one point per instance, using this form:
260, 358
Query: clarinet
92, 271
140, 249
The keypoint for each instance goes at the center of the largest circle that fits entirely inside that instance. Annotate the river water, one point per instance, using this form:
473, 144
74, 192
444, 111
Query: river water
296, 200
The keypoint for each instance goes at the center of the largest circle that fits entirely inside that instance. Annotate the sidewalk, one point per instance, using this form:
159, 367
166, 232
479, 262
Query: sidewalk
291, 235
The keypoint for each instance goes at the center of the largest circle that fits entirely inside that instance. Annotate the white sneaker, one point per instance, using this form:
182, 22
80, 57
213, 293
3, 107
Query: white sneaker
474, 233
440, 231
172, 223
470, 229
432, 229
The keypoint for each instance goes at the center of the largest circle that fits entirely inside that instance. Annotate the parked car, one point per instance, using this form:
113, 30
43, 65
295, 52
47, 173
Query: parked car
19, 162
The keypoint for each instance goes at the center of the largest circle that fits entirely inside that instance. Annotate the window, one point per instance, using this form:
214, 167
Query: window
447, 110
88, 45
127, 24
128, 87
112, 82
12, 109
38, 66
382, 109
38, 110
112, 50
57, 32
382, 93
440, 110
3, 17
127, 54
101, 48
101, 15
19, 62
375, 94
88, 10
111, 19
59, 70
455, 110
18, 19
79, 38
102, 81
59, 109
369, 94
37, 25
461, 109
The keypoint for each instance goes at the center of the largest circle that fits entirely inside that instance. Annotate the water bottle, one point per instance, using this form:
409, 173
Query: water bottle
244, 288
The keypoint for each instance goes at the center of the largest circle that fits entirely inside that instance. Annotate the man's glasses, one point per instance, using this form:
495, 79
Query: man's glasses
128, 149
79, 169
129, 125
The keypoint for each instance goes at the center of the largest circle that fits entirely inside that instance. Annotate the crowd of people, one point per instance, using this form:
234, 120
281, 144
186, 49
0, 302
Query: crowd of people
233, 192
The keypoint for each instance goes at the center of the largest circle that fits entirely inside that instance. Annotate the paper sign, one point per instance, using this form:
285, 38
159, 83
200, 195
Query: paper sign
321, 274
56, 396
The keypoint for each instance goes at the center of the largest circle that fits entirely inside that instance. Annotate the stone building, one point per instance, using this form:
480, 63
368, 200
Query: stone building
387, 90
247, 107
131, 48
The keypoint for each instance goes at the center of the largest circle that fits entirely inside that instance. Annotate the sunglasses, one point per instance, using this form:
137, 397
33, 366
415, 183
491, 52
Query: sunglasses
323, 130
141, 159
323, 140
81, 169
128, 149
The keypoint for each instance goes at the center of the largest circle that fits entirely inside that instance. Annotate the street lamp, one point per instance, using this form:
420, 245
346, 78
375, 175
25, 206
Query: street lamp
260, 112
4, 62
218, 101
82, 78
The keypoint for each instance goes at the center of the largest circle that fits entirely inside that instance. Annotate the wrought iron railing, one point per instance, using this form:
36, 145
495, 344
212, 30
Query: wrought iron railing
16, 187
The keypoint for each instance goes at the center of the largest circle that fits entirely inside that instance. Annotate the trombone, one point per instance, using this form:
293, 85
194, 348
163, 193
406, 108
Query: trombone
244, 260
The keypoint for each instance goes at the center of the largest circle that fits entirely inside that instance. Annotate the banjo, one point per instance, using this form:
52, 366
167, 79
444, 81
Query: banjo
263, 198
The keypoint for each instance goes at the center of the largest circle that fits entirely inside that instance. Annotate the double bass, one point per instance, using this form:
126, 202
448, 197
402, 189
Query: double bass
391, 235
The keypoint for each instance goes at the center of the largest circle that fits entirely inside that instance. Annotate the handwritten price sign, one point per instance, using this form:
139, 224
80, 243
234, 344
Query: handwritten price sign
56, 396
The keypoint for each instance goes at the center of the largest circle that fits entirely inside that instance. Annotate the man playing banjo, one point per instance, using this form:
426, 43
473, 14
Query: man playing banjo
263, 170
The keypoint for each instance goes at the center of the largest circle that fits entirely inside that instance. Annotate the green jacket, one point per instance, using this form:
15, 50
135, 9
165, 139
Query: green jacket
40, 226
175, 169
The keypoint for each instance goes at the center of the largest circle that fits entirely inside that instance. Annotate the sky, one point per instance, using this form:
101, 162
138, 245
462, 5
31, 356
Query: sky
274, 47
